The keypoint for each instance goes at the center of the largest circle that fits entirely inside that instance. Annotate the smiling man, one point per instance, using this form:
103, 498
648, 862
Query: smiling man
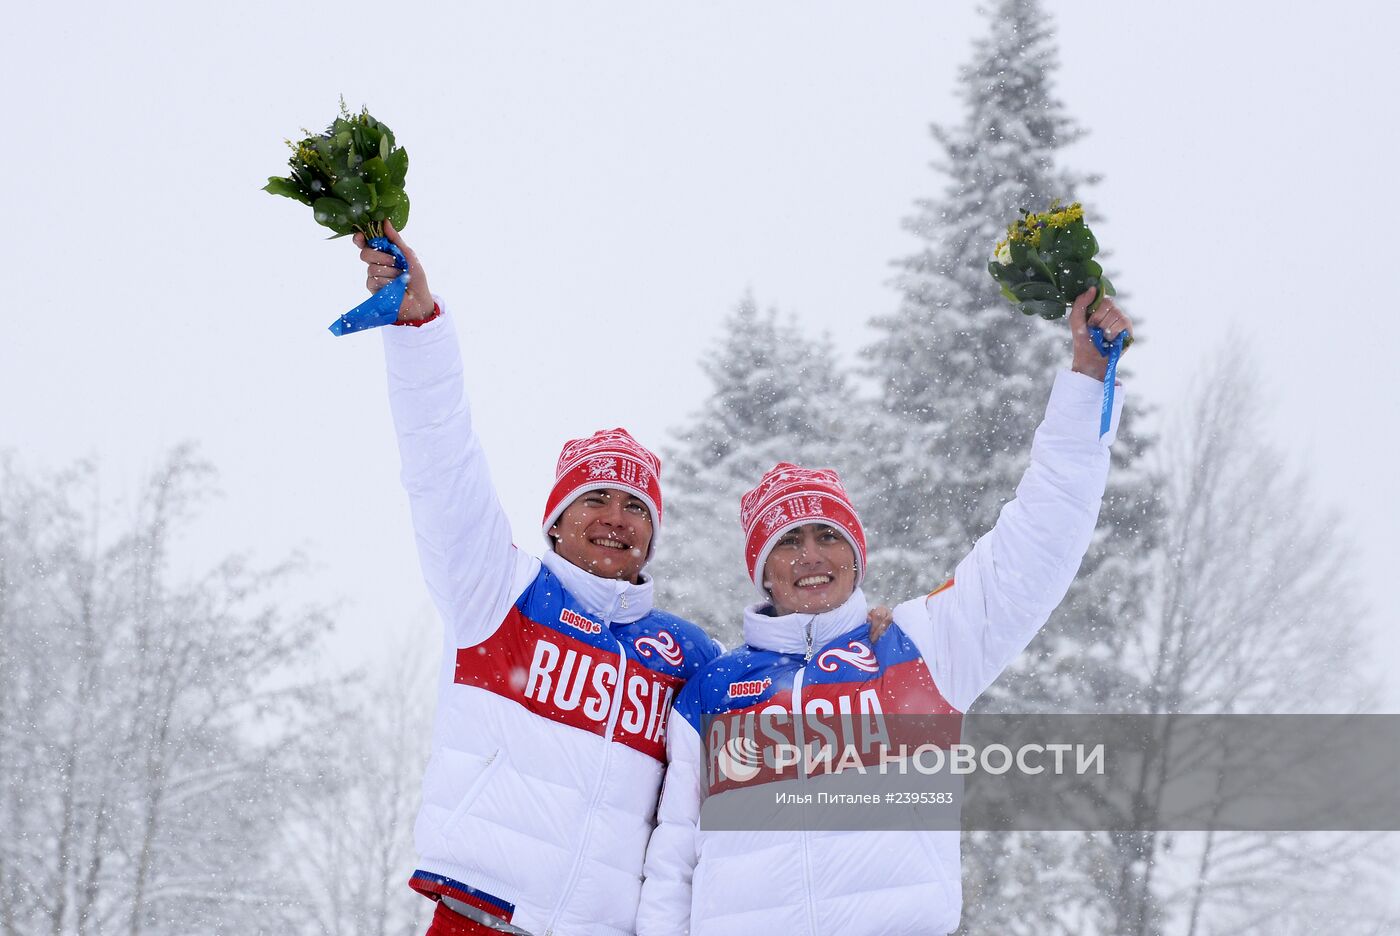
557, 674
811, 568
809, 654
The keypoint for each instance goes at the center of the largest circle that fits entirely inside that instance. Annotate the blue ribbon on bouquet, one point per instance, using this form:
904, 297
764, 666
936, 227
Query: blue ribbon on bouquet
383, 307
1111, 350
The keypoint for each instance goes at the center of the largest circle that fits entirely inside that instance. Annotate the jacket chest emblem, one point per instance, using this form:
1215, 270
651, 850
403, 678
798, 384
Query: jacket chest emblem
663, 645
855, 653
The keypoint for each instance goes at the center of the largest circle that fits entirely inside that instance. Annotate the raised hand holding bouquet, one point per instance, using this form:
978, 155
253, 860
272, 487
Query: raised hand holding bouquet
352, 176
1044, 263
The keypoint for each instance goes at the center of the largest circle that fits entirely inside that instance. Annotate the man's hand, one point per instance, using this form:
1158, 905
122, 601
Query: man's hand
417, 298
880, 619
1087, 359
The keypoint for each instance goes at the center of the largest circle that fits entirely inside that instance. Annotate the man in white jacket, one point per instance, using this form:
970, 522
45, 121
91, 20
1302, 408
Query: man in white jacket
808, 653
557, 674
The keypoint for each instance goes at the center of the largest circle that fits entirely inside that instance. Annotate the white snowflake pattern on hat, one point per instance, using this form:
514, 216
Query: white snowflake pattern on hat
602, 468
773, 519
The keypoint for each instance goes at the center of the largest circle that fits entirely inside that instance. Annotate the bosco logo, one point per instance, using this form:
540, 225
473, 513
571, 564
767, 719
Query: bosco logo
579, 622
749, 687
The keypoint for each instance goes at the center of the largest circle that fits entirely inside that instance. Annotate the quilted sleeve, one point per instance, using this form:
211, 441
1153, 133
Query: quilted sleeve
970, 629
462, 534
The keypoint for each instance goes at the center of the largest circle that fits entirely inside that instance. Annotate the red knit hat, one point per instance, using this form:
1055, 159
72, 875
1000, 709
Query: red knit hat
609, 458
787, 497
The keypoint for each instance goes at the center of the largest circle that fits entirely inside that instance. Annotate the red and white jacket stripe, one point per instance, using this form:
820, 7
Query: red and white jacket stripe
554, 690
940, 654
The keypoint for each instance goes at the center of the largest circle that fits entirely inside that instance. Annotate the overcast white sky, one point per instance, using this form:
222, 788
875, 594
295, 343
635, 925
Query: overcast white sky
596, 185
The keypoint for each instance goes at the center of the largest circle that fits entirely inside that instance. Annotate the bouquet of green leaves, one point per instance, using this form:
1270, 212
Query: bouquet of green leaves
1044, 263
1046, 260
351, 175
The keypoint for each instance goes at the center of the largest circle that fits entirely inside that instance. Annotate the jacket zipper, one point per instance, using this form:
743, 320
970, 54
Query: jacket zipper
613, 712
801, 740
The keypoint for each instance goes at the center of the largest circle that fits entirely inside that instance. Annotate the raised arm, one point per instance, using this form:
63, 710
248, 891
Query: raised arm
1006, 588
463, 536
673, 851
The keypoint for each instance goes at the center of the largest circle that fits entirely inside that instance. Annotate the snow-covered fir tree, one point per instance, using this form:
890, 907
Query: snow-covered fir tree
778, 395
962, 383
963, 379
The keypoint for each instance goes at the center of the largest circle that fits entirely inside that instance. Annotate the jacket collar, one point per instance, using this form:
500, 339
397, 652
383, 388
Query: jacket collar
788, 633
613, 600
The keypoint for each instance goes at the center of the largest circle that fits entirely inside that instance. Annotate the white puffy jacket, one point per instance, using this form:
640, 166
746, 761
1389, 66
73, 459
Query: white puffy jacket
940, 653
555, 686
